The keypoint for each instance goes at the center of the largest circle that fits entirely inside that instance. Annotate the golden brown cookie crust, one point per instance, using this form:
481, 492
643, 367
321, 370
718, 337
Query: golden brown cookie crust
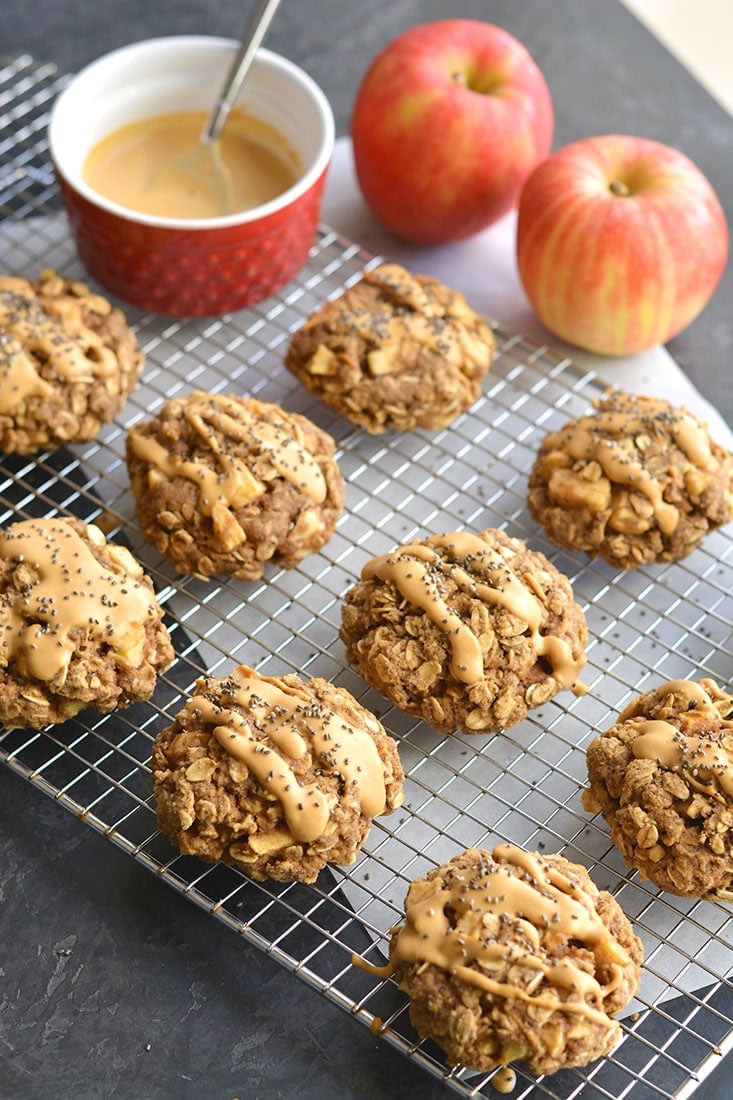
68, 360
662, 777
465, 630
225, 484
395, 351
635, 481
79, 623
277, 776
512, 955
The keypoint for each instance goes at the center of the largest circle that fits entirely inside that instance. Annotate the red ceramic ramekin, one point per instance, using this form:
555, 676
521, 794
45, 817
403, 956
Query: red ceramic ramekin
190, 267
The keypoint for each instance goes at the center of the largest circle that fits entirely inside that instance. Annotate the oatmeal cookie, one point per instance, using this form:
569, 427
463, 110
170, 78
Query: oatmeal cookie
465, 630
224, 484
635, 481
512, 955
277, 776
79, 623
662, 777
68, 359
394, 351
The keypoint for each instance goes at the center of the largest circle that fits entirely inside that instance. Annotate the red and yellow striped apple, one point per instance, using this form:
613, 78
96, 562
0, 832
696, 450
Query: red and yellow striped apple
448, 122
621, 242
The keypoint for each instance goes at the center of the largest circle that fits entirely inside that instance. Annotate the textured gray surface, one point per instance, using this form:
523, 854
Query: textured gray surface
145, 967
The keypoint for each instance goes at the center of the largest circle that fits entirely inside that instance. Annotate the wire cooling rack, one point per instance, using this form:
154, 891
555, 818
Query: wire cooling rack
522, 786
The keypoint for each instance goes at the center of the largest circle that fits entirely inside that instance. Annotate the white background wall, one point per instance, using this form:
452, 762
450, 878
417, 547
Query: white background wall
700, 34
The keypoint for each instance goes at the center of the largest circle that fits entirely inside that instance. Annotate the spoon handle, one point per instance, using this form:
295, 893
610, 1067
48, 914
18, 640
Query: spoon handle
255, 31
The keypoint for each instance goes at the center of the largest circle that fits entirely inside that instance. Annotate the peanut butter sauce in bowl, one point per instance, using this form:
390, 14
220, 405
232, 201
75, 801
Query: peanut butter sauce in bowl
167, 253
131, 166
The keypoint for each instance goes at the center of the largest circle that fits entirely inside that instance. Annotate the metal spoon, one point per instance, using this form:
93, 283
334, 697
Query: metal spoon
204, 166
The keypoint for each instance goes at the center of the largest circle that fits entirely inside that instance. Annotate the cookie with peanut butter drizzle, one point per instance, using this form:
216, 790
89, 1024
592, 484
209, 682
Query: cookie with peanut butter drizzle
466, 630
394, 351
277, 776
225, 484
662, 777
635, 481
68, 360
510, 955
79, 624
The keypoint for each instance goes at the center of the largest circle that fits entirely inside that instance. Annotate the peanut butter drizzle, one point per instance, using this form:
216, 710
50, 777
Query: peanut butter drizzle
18, 376
705, 763
279, 712
584, 439
71, 350
467, 561
541, 897
66, 591
214, 416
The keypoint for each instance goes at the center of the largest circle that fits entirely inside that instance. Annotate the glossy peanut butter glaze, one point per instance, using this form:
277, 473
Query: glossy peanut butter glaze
139, 165
71, 351
607, 437
704, 762
63, 589
227, 479
478, 569
446, 928
280, 724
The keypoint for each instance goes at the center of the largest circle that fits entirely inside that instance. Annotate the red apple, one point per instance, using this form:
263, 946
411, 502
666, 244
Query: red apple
449, 120
621, 242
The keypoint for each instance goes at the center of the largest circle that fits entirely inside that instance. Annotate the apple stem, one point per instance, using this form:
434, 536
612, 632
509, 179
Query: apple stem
459, 77
618, 187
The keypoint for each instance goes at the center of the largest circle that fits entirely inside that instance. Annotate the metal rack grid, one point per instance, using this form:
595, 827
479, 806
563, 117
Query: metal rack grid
521, 786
